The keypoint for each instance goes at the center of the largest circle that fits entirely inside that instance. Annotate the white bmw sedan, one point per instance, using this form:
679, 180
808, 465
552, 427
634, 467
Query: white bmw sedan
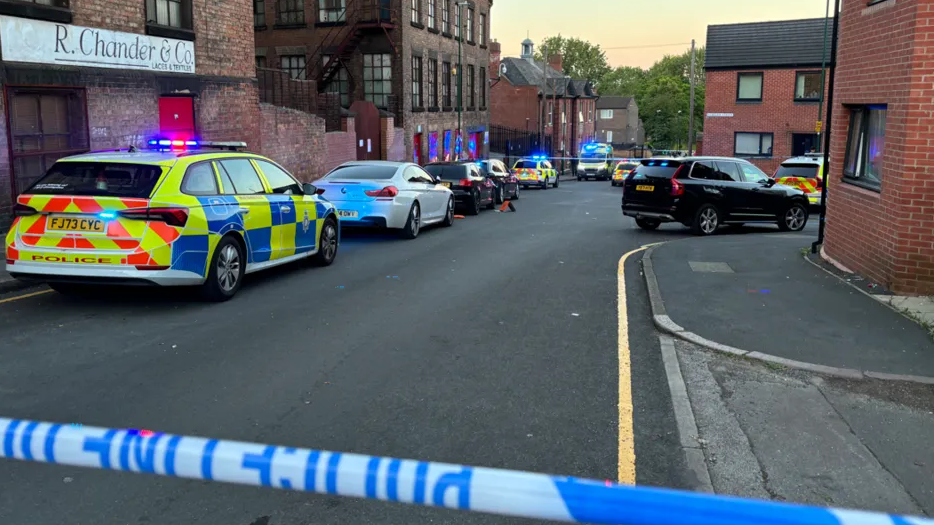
382, 194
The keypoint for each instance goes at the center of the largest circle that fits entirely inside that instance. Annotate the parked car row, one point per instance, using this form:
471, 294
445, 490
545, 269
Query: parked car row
206, 214
706, 192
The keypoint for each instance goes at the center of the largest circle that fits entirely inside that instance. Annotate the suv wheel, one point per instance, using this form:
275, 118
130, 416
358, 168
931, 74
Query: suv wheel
706, 220
794, 219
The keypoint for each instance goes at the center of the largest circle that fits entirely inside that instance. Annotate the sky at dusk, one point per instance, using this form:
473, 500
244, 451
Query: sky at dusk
630, 23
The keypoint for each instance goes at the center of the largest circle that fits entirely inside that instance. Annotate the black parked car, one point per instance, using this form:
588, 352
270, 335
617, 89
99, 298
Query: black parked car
472, 189
705, 192
507, 185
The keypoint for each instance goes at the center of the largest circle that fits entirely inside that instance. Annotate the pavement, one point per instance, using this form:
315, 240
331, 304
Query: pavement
754, 291
491, 343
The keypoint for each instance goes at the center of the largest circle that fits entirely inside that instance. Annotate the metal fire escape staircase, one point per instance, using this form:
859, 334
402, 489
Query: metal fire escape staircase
356, 20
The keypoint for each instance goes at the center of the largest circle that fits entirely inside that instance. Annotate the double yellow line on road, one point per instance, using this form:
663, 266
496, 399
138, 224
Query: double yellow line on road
626, 456
18, 297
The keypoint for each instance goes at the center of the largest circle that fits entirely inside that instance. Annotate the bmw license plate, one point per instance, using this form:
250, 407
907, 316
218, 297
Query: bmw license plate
347, 213
76, 224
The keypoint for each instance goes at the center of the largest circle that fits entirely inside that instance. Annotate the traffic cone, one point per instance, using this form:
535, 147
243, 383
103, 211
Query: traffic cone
507, 204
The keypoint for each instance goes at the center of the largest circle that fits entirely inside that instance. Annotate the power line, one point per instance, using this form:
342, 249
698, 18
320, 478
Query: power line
645, 47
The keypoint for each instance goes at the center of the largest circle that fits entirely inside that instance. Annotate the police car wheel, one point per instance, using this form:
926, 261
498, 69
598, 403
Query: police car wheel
226, 271
545, 184
327, 243
556, 181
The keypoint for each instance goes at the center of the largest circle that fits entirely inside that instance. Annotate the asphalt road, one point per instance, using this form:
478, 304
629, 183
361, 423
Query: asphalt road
492, 343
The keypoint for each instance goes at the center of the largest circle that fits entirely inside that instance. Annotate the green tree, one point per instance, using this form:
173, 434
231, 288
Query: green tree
623, 81
579, 58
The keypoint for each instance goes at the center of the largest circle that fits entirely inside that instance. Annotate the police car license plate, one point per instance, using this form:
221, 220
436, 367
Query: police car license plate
76, 224
347, 213
446, 184
645, 187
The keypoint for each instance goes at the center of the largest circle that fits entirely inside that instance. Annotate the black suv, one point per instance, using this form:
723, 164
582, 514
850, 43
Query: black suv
705, 192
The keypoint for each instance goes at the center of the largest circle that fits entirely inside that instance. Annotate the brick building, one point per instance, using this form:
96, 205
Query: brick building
763, 89
531, 96
100, 74
880, 209
618, 123
400, 56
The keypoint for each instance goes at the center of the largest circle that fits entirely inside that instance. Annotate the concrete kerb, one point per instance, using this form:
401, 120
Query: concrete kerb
667, 325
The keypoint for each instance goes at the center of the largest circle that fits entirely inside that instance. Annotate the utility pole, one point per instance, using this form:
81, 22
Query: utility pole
823, 73
459, 141
541, 127
691, 115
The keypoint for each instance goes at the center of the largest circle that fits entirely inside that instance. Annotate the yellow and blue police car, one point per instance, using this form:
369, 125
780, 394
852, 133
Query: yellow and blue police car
535, 171
179, 213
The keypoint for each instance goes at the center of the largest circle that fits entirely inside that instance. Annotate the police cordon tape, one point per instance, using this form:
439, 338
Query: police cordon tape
476, 489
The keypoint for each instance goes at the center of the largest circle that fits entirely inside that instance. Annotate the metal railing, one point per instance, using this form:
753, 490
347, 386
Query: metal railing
278, 88
514, 143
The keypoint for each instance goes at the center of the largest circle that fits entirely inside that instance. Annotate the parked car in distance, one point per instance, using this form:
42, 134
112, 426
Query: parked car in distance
396, 195
507, 185
705, 192
805, 173
535, 171
623, 168
470, 187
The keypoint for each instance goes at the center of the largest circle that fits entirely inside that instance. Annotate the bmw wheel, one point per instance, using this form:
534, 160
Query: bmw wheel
413, 223
226, 271
449, 214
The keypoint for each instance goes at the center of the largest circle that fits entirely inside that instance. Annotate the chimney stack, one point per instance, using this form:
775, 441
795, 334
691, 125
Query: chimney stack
496, 52
555, 62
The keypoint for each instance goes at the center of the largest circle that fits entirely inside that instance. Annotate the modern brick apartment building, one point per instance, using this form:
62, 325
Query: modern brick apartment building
618, 123
529, 93
400, 56
763, 89
880, 210
97, 74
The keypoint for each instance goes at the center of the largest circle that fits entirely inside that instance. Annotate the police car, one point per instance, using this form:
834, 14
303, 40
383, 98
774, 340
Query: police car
623, 168
535, 171
180, 213
805, 173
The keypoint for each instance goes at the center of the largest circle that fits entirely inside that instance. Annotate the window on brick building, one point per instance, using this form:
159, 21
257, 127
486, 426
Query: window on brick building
483, 83
260, 62
259, 13
471, 103
469, 24
551, 113
416, 11
752, 144
482, 28
168, 13
417, 95
45, 125
432, 83
294, 65
290, 12
457, 21
446, 16
377, 78
340, 82
606, 114
749, 87
432, 15
332, 10
865, 146
446, 84
807, 86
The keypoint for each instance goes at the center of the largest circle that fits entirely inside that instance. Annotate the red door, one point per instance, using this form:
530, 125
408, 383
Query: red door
177, 117
417, 149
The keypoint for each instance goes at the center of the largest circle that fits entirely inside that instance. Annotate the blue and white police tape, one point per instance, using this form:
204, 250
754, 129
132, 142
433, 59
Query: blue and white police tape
461, 487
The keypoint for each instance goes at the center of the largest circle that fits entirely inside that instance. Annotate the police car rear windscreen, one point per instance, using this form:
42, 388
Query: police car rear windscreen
807, 171
98, 179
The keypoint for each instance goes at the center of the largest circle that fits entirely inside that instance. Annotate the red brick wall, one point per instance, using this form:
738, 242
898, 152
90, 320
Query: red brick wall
298, 141
511, 105
342, 146
884, 58
228, 112
778, 113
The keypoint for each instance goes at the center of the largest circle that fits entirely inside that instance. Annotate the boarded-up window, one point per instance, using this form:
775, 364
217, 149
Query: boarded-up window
45, 125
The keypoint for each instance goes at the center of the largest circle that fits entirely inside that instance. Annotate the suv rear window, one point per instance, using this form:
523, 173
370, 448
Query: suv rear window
98, 179
447, 171
657, 169
526, 164
807, 171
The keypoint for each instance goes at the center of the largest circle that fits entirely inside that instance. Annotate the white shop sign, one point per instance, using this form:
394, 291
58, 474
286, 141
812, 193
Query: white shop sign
711, 115
23, 40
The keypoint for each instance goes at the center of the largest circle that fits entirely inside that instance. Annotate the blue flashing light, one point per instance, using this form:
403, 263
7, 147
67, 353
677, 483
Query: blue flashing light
172, 144
107, 215
663, 164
